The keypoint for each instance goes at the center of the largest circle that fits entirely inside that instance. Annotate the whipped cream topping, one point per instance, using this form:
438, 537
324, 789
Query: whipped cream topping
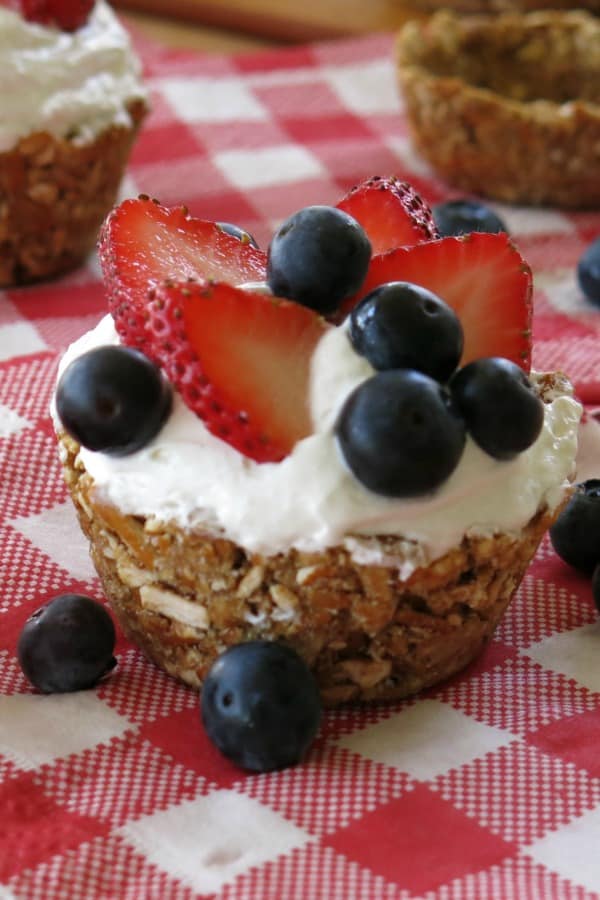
70, 84
310, 500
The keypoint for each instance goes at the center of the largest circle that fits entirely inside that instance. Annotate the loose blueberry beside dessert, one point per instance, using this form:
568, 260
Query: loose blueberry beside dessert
588, 272
576, 533
260, 706
596, 586
316, 483
456, 217
67, 645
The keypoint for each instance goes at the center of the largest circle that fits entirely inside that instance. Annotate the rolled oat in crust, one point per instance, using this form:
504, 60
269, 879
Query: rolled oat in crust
54, 195
507, 107
368, 634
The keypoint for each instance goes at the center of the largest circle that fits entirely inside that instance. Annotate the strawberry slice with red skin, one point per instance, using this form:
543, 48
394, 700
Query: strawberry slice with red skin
485, 280
241, 361
142, 244
391, 212
68, 15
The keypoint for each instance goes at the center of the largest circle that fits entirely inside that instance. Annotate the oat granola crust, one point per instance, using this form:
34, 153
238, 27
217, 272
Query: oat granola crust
508, 106
54, 195
184, 597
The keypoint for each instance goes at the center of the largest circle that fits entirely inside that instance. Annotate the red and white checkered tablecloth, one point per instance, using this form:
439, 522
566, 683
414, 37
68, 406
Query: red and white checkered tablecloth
487, 786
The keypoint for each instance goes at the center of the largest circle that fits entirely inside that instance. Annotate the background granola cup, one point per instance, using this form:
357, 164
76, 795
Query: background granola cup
496, 6
367, 633
508, 106
54, 195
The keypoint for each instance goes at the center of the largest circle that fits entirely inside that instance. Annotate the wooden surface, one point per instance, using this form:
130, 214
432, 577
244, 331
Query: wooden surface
243, 24
194, 36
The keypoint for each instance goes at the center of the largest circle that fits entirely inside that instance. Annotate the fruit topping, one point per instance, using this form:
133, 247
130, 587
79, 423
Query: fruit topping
400, 434
318, 257
576, 533
142, 244
240, 233
260, 706
241, 361
502, 412
67, 645
391, 212
113, 399
68, 15
482, 277
456, 217
588, 272
405, 326
186, 292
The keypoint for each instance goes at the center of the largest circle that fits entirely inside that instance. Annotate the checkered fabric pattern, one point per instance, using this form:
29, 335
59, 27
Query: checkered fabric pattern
487, 786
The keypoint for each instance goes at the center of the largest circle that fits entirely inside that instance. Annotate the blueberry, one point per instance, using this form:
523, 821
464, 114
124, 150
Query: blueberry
405, 326
503, 413
318, 257
260, 706
456, 217
399, 433
588, 272
575, 535
596, 586
235, 231
67, 645
113, 399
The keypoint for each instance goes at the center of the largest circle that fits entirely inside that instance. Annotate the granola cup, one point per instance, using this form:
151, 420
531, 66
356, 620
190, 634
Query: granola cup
367, 633
507, 107
54, 195
496, 6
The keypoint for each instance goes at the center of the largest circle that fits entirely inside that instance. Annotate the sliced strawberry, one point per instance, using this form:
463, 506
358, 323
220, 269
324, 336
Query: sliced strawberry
241, 361
68, 15
142, 244
391, 212
485, 280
